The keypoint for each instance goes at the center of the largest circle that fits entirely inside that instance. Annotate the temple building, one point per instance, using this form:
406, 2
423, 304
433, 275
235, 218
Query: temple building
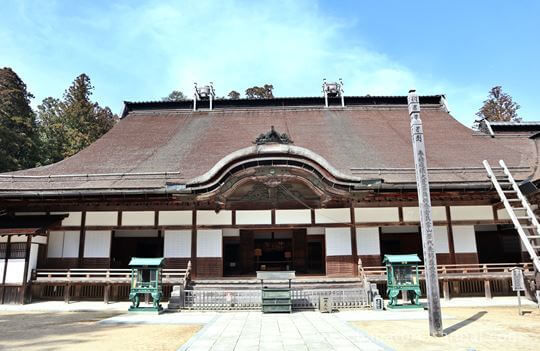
309, 184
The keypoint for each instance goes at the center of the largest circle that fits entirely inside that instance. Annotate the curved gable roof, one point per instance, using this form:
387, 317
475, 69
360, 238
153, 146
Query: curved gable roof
358, 141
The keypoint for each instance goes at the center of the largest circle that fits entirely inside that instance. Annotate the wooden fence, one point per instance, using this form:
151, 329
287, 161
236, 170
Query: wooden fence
483, 279
109, 284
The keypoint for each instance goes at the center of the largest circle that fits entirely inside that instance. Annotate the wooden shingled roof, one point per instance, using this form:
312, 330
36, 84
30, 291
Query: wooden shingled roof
160, 143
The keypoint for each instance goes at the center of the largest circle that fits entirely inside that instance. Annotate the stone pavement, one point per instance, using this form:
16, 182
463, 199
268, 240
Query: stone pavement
252, 331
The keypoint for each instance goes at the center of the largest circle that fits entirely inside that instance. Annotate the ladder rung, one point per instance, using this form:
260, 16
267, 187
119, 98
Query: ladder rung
514, 200
508, 191
519, 208
533, 236
528, 226
523, 218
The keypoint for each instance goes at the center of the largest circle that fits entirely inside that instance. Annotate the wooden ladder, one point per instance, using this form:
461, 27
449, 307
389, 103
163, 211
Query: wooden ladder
518, 209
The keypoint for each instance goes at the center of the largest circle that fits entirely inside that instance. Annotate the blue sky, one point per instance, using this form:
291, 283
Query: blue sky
141, 50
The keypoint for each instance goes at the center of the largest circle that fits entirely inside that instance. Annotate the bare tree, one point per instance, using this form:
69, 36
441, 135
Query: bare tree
499, 107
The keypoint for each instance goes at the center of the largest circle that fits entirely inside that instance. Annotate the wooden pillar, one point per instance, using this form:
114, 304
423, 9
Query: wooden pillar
194, 244
353, 243
25, 271
82, 238
450, 235
8, 249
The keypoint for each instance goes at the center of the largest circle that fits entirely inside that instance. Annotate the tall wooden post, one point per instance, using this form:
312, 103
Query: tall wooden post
426, 219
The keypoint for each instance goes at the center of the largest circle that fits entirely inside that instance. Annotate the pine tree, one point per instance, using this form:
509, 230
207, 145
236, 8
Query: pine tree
264, 92
175, 95
18, 131
234, 95
69, 125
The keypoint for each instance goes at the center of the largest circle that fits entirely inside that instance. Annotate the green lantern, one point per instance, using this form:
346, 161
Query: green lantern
146, 279
402, 276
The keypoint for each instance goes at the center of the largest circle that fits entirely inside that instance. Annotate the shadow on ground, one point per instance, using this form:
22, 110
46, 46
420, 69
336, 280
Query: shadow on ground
465, 322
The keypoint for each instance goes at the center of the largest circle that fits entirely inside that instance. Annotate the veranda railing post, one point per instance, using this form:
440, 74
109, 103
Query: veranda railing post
487, 283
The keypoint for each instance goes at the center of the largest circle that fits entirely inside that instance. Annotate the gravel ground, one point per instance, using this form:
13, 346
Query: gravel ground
490, 328
80, 331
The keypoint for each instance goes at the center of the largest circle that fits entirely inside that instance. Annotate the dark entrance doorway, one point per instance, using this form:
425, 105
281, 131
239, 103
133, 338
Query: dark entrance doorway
134, 243
401, 240
498, 244
231, 256
316, 255
273, 250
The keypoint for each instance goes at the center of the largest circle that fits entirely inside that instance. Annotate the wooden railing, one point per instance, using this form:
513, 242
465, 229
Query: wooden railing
97, 282
106, 276
460, 271
487, 277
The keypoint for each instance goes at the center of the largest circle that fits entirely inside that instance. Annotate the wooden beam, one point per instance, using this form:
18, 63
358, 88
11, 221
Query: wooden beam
82, 239
353, 243
194, 244
25, 270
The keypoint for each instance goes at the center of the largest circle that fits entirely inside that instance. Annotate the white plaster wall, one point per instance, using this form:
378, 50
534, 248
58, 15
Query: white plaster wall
367, 241
138, 218
175, 217
212, 218
254, 217
333, 215
18, 238
74, 219
293, 216
315, 231
376, 214
97, 243
471, 213
101, 218
231, 232
15, 271
71, 243
177, 243
32, 260
464, 238
56, 244
412, 214
3, 239
440, 235
502, 214
209, 243
39, 239
338, 241
2, 263
144, 233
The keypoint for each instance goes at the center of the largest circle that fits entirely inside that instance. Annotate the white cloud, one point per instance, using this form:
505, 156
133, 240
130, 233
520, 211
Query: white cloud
143, 51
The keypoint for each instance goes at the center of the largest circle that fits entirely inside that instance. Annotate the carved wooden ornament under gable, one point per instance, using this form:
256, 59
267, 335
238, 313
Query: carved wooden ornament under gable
273, 137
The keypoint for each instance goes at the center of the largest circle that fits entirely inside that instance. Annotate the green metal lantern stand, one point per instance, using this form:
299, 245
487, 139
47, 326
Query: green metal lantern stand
402, 276
146, 279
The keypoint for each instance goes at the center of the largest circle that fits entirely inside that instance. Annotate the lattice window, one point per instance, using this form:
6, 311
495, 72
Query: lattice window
17, 250
3, 249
